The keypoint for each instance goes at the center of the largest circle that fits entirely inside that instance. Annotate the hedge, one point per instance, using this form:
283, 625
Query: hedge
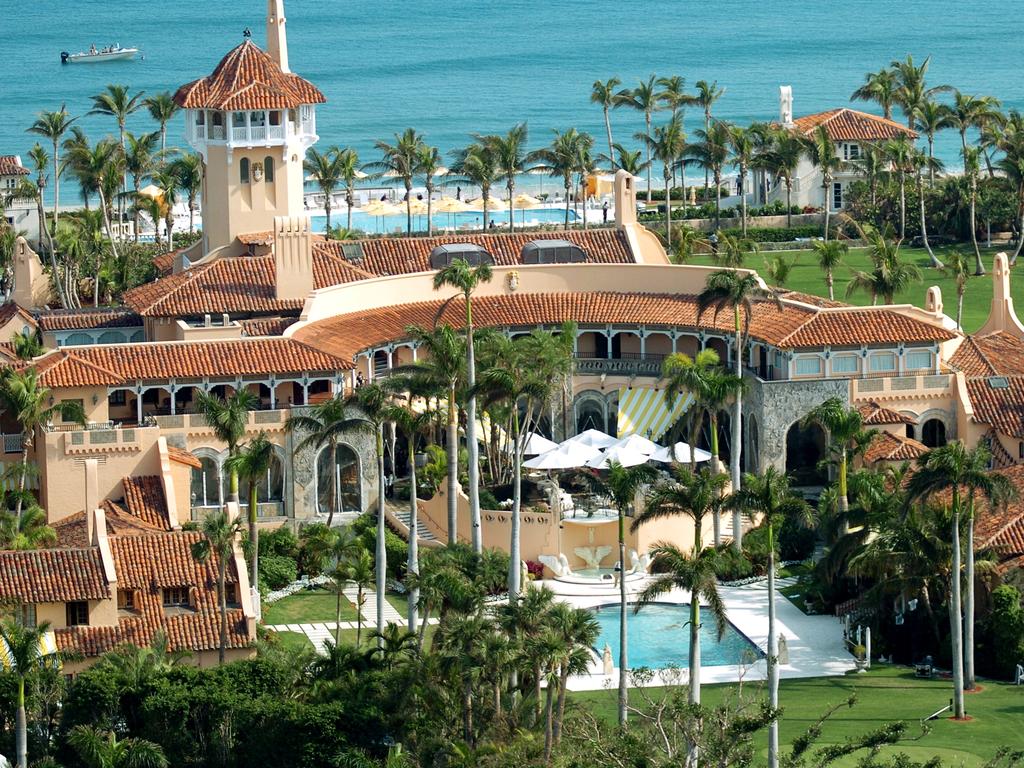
776, 235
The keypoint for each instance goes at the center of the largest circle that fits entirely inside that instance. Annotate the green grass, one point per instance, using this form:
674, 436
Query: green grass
295, 642
311, 605
399, 602
795, 594
884, 695
808, 278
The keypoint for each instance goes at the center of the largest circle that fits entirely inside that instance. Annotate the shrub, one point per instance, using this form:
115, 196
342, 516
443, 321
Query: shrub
277, 571
535, 569
776, 234
487, 499
796, 540
396, 550
732, 565
1006, 626
281, 541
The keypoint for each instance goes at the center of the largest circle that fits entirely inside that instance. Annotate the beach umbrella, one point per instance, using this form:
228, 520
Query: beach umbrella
626, 455
381, 208
564, 457
451, 205
523, 200
538, 444
592, 437
638, 443
680, 452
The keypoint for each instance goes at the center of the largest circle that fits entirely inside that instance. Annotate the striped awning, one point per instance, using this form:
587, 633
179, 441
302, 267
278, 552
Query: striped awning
644, 411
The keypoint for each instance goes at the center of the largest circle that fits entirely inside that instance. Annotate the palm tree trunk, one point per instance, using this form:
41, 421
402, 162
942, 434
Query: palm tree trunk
382, 552
21, 725
348, 209
511, 186
467, 709
23, 474
515, 557
789, 203
476, 534
327, 211
413, 563
844, 498
608, 130
773, 657
743, 198
903, 207
567, 187
960, 306
563, 677
334, 483
828, 204
337, 616
56, 183
113, 247
408, 207
647, 123
736, 435
423, 629
718, 199
453, 467
716, 520
979, 266
830, 281
430, 210
254, 535
969, 682
623, 610
486, 194
223, 594
359, 616
1020, 232
695, 641
956, 616
58, 282
668, 209
549, 701
924, 223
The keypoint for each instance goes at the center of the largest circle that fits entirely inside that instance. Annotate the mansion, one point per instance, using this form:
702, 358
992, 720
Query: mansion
262, 303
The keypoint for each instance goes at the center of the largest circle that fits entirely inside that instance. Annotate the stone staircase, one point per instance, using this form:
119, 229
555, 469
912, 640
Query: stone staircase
404, 516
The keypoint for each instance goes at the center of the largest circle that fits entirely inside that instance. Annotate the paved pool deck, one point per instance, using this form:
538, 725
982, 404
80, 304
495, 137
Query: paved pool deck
815, 643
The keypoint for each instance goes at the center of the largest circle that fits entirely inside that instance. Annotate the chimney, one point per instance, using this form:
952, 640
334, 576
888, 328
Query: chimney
92, 495
786, 105
277, 40
293, 256
625, 198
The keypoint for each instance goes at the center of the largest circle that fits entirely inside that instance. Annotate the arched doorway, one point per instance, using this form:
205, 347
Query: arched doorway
342, 479
805, 447
590, 414
933, 433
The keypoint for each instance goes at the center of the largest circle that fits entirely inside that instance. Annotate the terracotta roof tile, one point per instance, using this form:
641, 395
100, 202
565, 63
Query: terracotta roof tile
183, 457
994, 354
257, 238
11, 309
874, 414
267, 326
11, 166
72, 531
114, 364
1002, 529
144, 498
863, 325
1001, 407
852, 125
810, 298
52, 575
889, 447
71, 319
247, 78
164, 263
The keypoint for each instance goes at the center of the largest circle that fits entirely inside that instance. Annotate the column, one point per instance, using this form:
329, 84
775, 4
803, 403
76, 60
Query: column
643, 343
273, 394
415, 357
174, 400
138, 405
608, 335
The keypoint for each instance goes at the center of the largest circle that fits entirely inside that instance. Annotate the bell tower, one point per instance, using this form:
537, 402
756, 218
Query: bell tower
277, 37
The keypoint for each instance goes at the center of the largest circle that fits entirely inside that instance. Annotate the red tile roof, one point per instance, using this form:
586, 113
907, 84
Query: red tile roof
243, 284
144, 498
10, 166
52, 575
183, 457
247, 78
810, 298
72, 319
10, 309
117, 364
1002, 529
863, 325
72, 531
889, 447
874, 414
994, 354
267, 326
1001, 407
852, 125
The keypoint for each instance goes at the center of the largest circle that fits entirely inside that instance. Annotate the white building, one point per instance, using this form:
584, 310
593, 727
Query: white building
19, 214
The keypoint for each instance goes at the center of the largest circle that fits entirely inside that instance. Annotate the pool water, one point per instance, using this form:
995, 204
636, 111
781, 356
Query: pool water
659, 637
378, 224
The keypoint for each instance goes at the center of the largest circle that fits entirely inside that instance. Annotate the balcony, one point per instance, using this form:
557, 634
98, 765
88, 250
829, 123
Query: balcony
250, 129
626, 364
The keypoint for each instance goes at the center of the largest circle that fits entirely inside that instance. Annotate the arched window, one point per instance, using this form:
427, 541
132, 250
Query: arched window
271, 487
933, 433
338, 486
268, 169
111, 337
243, 170
206, 488
590, 415
78, 339
805, 448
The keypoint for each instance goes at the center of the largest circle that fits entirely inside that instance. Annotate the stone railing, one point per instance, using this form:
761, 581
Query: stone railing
627, 365
101, 441
900, 385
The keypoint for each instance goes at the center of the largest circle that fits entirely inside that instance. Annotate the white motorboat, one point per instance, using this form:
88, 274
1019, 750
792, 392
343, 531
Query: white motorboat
93, 56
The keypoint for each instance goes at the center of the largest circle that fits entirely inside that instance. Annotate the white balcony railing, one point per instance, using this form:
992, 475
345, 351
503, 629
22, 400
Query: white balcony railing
252, 129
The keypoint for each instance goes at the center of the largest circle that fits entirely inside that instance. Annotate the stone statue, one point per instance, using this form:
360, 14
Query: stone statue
783, 650
593, 556
786, 104
606, 659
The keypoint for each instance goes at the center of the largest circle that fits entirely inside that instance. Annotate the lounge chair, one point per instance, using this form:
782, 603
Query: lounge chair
925, 668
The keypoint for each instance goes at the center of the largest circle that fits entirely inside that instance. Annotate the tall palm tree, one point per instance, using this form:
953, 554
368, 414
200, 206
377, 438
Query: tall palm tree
189, 171
743, 146
768, 498
139, 161
911, 92
162, 108
920, 162
829, 255
476, 164
931, 117
251, 464
738, 292
25, 655
34, 191
358, 568
971, 170
643, 98
879, 87
705, 96
100, 169
228, 418
324, 425
667, 146
118, 103
400, 160
325, 170
509, 153
711, 152
102, 749
630, 160
821, 151
562, 159
695, 495
889, 274
781, 159
220, 535
603, 93
959, 268
578, 630
459, 274
349, 172
673, 94
899, 152
28, 402
429, 165
1011, 165
53, 126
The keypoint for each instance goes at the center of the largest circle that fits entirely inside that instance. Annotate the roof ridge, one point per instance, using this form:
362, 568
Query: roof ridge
63, 355
992, 370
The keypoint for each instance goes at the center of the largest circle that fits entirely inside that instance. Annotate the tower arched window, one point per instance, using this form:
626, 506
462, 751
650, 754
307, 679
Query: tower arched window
268, 169
243, 170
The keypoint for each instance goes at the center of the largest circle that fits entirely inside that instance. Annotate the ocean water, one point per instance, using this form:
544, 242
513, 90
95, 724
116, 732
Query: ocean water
449, 68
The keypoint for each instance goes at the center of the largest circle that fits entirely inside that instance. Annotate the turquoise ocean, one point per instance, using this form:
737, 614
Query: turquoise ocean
449, 68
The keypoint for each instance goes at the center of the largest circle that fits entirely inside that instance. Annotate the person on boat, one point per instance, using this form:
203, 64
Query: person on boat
92, 49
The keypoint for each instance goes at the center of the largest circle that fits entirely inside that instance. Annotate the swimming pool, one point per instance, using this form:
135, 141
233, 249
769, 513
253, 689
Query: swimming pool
378, 224
659, 637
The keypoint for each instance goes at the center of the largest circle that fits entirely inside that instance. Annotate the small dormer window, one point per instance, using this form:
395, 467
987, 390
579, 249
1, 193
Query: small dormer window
176, 597
77, 614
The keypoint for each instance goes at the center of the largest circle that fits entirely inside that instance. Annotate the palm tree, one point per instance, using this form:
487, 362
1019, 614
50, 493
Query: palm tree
643, 98
562, 159
971, 169
358, 568
900, 154
667, 146
630, 160
509, 153
768, 498
349, 173
736, 291
931, 117
889, 275
27, 531
476, 165
465, 278
781, 159
1011, 165
116, 102
920, 161
24, 646
34, 191
228, 418
27, 344
338, 548
829, 255
577, 631
822, 152
162, 108
24, 399
325, 170
220, 535
911, 93
711, 152
429, 164
252, 463
138, 163
959, 268
695, 495
705, 97
53, 126
325, 424
400, 160
188, 169
102, 749
463, 648
743, 145
603, 93
879, 87
100, 169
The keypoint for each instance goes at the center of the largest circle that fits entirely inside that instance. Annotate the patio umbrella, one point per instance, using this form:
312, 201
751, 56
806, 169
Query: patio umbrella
592, 437
522, 201
680, 452
564, 457
638, 443
451, 205
537, 444
381, 208
626, 455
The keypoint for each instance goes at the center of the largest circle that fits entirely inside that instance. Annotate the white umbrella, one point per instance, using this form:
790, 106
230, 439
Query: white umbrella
537, 444
564, 457
592, 437
638, 443
627, 456
680, 452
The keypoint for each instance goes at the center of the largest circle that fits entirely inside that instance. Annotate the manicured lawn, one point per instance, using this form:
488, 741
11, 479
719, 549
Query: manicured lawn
310, 605
808, 278
294, 641
884, 695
